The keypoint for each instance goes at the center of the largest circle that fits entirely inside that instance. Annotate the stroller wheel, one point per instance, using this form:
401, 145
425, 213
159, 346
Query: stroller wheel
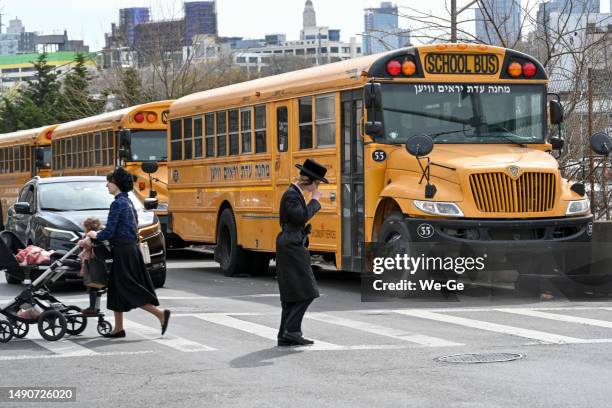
104, 327
52, 325
20, 329
75, 321
6, 331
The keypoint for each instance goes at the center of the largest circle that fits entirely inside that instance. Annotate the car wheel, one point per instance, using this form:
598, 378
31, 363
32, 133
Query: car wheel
227, 251
10, 279
160, 278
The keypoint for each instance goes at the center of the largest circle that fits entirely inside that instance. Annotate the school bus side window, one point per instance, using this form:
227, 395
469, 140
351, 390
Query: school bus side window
246, 131
110, 150
282, 128
233, 132
197, 137
210, 134
222, 133
260, 129
187, 139
104, 144
176, 152
325, 120
305, 113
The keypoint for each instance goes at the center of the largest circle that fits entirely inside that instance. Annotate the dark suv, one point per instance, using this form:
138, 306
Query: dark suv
49, 213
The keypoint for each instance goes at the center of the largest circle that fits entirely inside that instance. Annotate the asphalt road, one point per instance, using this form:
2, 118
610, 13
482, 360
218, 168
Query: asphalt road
220, 349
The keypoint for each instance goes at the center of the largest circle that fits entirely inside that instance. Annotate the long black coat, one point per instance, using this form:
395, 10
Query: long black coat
296, 281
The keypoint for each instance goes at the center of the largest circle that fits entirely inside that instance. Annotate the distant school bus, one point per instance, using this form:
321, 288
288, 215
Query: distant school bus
128, 137
23, 155
490, 177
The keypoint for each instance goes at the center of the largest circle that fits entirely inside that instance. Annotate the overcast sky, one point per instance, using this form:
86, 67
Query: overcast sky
90, 19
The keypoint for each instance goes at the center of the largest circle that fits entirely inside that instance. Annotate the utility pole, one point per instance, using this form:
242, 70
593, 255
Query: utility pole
590, 132
454, 14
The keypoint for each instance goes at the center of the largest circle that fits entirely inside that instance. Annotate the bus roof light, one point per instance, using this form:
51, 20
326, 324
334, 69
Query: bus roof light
529, 70
151, 117
139, 117
408, 68
515, 70
394, 68
49, 135
141, 185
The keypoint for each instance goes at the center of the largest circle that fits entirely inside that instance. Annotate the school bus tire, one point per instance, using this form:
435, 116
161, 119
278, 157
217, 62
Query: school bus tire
227, 252
256, 263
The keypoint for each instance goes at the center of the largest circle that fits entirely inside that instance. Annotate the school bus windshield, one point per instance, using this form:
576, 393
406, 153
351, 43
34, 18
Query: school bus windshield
149, 145
464, 113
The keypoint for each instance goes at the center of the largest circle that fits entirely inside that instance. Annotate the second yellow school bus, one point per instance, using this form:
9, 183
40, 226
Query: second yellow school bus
130, 137
490, 177
23, 155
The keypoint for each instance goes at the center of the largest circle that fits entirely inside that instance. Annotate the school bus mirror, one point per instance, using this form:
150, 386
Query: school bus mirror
149, 167
373, 129
372, 96
556, 112
22, 207
152, 193
601, 143
150, 203
420, 145
557, 143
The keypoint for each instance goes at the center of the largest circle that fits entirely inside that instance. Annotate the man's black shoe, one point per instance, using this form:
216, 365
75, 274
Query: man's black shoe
297, 340
283, 342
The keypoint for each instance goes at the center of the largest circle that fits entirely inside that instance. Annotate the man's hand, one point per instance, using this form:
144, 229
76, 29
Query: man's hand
316, 195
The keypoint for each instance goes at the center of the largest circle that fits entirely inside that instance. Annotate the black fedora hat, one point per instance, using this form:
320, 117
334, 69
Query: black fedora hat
313, 170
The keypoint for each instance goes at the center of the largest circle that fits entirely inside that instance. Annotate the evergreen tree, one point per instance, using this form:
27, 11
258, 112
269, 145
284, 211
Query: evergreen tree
75, 98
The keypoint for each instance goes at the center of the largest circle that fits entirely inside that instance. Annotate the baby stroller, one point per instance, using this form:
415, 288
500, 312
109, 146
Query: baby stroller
56, 318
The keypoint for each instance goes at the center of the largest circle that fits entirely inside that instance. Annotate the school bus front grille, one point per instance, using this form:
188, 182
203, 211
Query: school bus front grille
499, 193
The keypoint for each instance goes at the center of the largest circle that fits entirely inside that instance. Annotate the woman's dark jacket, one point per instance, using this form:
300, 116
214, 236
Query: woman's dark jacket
296, 281
121, 221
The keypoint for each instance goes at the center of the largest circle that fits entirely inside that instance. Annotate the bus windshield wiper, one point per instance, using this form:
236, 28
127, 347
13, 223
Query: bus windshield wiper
448, 118
503, 129
53, 209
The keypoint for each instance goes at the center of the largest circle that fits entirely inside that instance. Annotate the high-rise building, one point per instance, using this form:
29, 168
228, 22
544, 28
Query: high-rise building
498, 20
382, 32
129, 18
309, 16
564, 7
200, 18
15, 27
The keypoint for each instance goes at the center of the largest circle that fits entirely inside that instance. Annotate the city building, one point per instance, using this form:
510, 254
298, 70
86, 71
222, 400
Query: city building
564, 7
157, 40
129, 18
382, 31
17, 69
498, 20
200, 18
16, 40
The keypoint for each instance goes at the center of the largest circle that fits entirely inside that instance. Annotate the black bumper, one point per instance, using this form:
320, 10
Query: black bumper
533, 247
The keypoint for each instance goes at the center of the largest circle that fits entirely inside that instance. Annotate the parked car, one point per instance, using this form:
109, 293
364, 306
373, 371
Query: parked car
49, 213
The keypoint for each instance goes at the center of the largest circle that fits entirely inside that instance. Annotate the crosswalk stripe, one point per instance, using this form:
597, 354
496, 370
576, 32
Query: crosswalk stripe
257, 329
497, 328
103, 354
558, 317
169, 340
63, 347
383, 331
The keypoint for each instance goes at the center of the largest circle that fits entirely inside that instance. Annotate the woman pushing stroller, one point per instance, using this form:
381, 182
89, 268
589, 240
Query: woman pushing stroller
129, 284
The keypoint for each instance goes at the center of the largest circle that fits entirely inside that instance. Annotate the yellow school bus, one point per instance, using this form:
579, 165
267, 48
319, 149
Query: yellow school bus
23, 155
490, 176
130, 137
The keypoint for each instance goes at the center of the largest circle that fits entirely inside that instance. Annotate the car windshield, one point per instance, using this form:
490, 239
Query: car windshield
78, 196
149, 145
464, 113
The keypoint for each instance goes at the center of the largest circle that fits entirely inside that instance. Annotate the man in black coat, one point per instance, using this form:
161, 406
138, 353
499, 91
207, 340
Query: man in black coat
296, 282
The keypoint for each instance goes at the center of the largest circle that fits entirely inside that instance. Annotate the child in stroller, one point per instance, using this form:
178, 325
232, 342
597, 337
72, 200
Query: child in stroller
90, 224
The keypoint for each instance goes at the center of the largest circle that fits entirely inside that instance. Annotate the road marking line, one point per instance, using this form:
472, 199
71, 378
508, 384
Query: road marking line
63, 347
169, 340
560, 318
382, 330
257, 329
496, 328
104, 354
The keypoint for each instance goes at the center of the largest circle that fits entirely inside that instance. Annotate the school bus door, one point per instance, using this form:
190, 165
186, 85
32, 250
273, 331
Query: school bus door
282, 149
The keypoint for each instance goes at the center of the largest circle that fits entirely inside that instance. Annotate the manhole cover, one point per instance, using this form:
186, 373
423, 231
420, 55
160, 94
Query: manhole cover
480, 358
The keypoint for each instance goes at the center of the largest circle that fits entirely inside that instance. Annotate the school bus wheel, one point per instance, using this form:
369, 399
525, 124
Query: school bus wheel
227, 251
393, 239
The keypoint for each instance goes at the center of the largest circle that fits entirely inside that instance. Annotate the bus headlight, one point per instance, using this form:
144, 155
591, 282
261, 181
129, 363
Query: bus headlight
439, 208
578, 207
60, 234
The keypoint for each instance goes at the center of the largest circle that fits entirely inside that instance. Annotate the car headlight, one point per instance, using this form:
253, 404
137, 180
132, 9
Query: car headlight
148, 232
578, 207
60, 234
439, 208
161, 207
